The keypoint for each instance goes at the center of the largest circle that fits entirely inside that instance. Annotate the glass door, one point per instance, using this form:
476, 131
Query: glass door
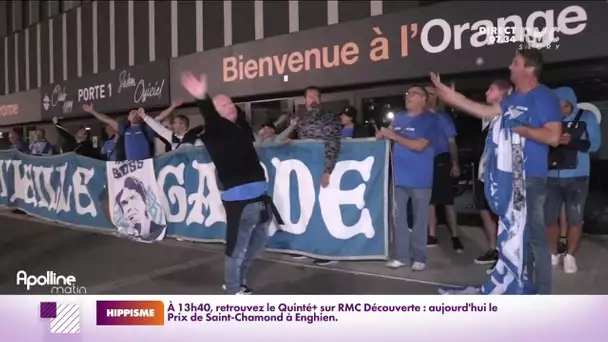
276, 112
379, 105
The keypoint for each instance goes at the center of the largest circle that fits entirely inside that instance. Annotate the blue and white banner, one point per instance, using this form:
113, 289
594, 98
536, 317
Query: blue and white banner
348, 220
66, 188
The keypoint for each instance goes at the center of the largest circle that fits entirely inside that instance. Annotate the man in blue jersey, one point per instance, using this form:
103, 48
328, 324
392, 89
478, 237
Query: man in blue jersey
413, 133
136, 140
108, 150
568, 180
445, 173
544, 129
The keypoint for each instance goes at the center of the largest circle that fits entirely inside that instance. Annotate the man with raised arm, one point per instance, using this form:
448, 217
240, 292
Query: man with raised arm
534, 113
179, 135
136, 140
79, 143
249, 210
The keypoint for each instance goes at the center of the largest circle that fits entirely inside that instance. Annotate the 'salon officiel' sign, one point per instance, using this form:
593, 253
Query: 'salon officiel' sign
348, 219
144, 86
450, 37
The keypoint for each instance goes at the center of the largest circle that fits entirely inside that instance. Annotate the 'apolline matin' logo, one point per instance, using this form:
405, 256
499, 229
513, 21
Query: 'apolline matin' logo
60, 284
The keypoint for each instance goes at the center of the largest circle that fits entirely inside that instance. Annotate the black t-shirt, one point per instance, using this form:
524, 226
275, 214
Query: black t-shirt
230, 146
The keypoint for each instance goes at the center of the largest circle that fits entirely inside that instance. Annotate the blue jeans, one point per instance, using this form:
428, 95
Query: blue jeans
417, 238
538, 255
569, 191
251, 240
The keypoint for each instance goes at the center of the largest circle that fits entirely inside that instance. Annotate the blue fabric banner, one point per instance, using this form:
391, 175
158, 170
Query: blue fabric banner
348, 220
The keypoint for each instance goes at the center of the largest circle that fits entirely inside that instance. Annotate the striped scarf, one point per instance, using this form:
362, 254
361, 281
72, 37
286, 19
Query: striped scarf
504, 186
505, 190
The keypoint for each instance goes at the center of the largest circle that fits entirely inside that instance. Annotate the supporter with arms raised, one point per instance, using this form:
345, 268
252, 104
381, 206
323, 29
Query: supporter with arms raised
249, 210
178, 135
79, 143
160, 145
136, 140
534, 113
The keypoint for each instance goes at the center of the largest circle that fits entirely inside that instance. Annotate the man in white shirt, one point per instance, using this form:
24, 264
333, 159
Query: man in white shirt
160, 146
178, 134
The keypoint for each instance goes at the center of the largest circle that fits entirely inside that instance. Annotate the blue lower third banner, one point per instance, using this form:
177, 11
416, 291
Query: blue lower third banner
346, 220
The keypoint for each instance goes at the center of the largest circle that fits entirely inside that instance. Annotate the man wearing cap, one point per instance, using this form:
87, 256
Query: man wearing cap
568, 180
350, 128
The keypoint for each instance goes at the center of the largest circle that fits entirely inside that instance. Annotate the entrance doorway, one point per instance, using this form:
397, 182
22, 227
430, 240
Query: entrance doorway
277, 112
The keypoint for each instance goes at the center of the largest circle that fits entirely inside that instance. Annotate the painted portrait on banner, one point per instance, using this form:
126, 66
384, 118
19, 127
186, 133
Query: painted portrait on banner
134, 201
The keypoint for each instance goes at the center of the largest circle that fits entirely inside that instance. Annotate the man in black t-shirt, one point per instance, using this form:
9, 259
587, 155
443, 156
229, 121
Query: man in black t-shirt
229, 142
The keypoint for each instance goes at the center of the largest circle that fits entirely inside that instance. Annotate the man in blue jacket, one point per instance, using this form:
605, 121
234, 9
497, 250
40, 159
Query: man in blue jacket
568, 180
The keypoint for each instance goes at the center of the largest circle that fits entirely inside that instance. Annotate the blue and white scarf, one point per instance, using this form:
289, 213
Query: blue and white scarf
505, 190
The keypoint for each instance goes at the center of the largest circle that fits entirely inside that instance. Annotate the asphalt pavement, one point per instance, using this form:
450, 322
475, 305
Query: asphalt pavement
105, 264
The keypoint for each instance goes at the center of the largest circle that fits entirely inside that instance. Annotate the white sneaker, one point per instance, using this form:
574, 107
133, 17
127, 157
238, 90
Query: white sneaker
299, 257
570, 264
395, 264
418, 266
554, 259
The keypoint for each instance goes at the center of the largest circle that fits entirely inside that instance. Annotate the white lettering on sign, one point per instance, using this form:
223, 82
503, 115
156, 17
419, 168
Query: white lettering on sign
97, 92
125, 81
212, 201
9, 110
32, 185
175, 194
538, 30
282, 190
144, 90
331, 198
204, 206
59, 95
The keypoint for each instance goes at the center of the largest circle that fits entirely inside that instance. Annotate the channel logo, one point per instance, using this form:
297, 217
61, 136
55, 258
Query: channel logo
64, 318
114, 312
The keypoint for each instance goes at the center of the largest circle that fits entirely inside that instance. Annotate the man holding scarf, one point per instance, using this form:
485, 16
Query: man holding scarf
517, 168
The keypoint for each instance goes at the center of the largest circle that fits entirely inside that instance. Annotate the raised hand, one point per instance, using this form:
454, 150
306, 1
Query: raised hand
196, 87
88, 108
176, 103
444, 92
55, 120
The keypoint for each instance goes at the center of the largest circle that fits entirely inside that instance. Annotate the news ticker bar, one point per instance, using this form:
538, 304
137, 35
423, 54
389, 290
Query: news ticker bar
154, 313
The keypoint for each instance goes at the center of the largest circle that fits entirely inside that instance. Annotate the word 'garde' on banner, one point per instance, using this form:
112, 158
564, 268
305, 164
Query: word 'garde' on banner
348, 219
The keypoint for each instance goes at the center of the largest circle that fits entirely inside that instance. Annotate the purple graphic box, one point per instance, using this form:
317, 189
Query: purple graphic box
48, 310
